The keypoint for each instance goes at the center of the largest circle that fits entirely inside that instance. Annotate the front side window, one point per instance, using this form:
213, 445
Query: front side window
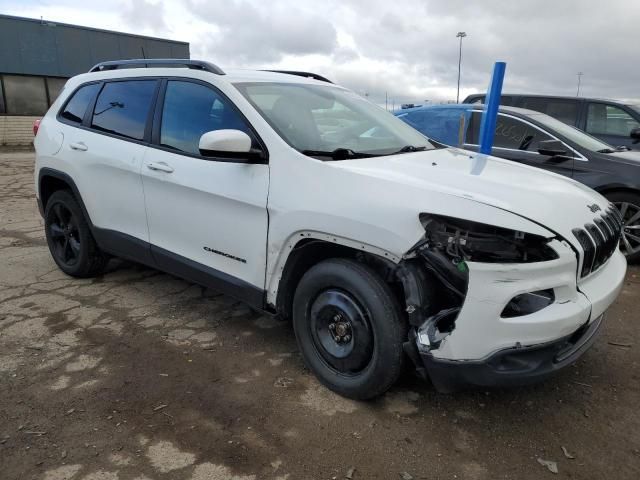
510, 133
604, 119
190, 110
565, 111
318, 119
122, 108
77, 106
573, 134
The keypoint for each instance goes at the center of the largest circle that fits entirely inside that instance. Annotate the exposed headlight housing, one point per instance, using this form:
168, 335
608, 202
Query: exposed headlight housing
465, 240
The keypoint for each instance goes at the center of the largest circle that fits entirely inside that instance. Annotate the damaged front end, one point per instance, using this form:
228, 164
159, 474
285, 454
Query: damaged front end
435, 273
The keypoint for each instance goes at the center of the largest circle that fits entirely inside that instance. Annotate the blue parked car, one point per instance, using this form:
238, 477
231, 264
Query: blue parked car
441, 123
536, 139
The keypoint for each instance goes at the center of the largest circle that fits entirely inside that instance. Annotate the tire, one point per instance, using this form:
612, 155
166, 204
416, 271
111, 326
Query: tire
361, 356
69, 238
629, 206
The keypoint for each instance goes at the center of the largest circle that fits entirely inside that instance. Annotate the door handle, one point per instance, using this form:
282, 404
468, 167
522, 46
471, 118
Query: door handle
159, 166
79, 146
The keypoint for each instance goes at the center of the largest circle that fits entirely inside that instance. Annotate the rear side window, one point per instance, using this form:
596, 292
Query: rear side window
564, 110
123, 108
534, 103
507, 101
77, 106
443, 125
190, 110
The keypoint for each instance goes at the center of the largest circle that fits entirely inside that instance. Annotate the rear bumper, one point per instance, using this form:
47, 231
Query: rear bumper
512, 366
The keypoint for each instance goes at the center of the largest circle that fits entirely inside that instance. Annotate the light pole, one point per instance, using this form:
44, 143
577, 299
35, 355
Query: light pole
460, 35
579, 78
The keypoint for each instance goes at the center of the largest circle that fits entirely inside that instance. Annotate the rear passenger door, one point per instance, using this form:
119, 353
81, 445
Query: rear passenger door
611, 123
207, 216
518, 140
104, 142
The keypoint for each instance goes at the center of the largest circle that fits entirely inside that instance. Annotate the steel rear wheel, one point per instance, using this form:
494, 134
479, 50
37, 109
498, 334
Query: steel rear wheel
69, 238
628, 204
349, 328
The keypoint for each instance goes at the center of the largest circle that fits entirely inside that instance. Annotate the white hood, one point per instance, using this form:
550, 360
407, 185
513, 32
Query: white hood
555, 202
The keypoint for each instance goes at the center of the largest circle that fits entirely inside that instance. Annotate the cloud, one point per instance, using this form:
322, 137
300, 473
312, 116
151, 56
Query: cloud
145, 14
406, 48
242, 31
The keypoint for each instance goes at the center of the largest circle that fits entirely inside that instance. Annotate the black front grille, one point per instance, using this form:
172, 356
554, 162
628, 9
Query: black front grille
599, 240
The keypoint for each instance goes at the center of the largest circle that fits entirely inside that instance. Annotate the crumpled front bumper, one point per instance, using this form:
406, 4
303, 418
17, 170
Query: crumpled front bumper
515, 366
485, 349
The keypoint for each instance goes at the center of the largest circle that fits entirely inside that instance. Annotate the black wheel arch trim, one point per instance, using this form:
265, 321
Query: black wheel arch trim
66, 178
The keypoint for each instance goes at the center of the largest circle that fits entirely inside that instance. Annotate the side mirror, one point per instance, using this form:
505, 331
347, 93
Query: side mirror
225, 142
552, 148
635, 135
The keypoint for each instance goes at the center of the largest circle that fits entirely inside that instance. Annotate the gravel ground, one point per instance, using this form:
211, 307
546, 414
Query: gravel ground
140, 375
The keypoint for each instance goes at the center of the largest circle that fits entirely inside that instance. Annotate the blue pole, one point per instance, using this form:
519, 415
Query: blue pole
490, 114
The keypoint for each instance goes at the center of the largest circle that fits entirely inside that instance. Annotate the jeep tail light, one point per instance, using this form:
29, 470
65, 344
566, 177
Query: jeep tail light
36, 125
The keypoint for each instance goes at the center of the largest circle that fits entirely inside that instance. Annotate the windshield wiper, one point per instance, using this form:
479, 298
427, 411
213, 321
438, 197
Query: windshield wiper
337, 154
410, 148
607, 150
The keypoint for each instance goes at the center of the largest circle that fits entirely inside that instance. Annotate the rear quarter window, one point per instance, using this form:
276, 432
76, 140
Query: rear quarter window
77, 105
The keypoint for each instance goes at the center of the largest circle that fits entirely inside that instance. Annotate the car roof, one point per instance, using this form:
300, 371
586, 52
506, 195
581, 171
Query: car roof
229, 76
559, 97
522, 112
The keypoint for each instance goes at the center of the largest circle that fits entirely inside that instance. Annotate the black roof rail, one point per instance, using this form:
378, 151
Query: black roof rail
314, 76
157, 62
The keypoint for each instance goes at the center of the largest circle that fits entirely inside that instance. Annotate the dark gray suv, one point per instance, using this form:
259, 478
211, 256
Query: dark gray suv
616, 123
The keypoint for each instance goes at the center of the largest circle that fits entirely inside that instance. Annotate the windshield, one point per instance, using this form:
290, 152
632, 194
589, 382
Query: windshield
321, 120
577, 136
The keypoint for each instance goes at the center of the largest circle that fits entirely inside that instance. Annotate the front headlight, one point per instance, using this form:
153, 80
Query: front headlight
465, 240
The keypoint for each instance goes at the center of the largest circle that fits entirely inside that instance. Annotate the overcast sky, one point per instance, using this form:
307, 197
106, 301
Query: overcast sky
407, 48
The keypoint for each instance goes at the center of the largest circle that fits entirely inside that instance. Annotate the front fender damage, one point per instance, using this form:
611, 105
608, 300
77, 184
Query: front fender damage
434, 288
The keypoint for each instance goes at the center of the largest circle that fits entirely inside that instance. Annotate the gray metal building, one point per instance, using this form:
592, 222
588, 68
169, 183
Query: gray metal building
38, 56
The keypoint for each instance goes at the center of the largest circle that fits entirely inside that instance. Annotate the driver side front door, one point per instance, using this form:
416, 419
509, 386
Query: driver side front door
207, 216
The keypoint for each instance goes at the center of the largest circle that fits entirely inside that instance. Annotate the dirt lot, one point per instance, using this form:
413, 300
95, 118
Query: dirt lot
140, 375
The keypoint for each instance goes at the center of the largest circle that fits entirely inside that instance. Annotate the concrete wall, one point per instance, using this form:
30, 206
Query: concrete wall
16, 131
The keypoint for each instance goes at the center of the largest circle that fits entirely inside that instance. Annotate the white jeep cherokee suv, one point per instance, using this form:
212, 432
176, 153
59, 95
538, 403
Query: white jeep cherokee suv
304, 200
